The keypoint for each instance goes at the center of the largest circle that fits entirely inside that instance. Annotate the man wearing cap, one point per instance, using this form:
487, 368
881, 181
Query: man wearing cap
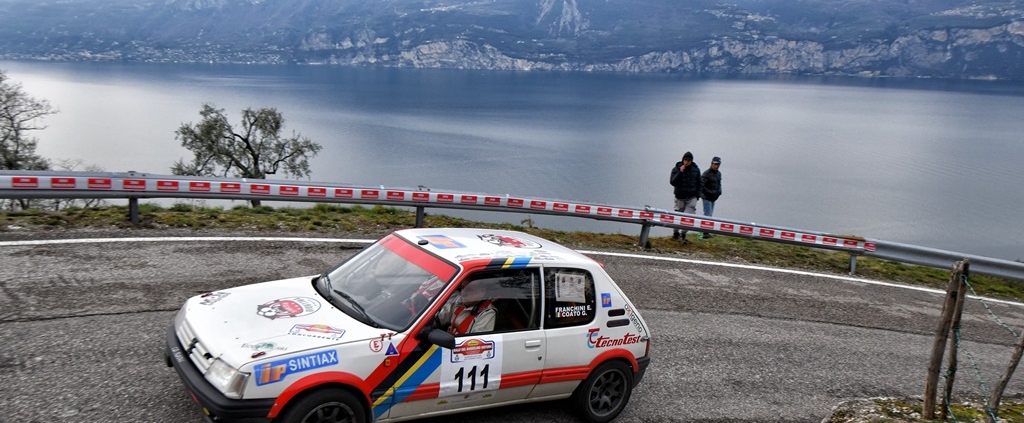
712, 189
686, 179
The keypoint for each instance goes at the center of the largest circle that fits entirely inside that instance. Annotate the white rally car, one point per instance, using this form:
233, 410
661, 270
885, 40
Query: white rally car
375, 339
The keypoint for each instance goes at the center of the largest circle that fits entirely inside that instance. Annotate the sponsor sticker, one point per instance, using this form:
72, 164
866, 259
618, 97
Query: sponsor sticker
62, 183
508, 241
166, 185
288, 307
25, 182
442, 241
276, 371
606, 300
342, 193
596, 340
133, 184
198, 186
230, 187
100, 183
211, 298
317, 331
259, 189
316, 192
473, 349
288, 190
263, 346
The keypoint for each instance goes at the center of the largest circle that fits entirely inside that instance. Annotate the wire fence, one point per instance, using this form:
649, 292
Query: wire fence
950, 325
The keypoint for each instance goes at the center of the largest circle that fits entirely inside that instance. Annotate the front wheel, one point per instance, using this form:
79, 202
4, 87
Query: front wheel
325, 406
604, 394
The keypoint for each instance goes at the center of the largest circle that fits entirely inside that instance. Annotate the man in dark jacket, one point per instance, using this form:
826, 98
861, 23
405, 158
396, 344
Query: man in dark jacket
712, 189
686, 180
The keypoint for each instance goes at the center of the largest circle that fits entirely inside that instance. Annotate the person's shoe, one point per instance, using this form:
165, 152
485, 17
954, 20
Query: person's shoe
706, 236
675, 235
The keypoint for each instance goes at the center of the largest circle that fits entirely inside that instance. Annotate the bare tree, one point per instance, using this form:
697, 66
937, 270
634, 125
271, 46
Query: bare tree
256, 151
19, 114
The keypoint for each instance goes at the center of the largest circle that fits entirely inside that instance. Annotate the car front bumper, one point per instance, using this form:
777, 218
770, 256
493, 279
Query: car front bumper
215, 405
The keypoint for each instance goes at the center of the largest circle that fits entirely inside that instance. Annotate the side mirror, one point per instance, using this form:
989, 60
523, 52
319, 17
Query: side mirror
439, 337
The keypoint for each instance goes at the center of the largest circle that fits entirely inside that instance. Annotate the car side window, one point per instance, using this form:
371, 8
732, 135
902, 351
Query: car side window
569, 297
494, 301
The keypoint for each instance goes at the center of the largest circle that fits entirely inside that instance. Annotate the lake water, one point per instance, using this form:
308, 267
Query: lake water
929, 163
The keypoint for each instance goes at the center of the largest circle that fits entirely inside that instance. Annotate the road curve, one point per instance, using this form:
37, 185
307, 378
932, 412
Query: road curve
82, 325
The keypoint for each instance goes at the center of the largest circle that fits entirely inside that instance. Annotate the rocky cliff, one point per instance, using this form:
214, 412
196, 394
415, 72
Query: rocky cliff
938, 38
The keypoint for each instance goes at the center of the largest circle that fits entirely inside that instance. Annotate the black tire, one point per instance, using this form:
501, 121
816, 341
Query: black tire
325, 406
605, 393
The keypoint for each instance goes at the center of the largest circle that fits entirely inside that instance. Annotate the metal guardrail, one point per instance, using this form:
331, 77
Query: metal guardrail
134, 185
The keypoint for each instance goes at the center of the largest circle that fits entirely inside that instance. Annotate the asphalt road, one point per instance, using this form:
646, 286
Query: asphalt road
82, 327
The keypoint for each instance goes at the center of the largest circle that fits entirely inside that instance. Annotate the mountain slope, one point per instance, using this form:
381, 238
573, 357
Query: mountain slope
938, 38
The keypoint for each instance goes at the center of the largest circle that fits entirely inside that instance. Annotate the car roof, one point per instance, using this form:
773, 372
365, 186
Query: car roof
463, 244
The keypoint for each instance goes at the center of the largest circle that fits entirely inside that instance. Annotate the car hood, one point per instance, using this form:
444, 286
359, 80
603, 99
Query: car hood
273, 318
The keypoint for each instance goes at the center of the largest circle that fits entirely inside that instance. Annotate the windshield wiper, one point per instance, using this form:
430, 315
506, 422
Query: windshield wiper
357, 307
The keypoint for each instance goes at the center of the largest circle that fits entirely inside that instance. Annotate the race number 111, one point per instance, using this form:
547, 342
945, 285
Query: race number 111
462, 376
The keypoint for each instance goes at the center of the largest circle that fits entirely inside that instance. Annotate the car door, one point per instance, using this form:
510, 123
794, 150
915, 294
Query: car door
500, 364
570, 312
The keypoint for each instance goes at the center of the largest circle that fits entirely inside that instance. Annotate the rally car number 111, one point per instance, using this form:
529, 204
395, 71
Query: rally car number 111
424, 322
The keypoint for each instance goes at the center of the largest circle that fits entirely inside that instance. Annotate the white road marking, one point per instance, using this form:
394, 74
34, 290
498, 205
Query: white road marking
597, 253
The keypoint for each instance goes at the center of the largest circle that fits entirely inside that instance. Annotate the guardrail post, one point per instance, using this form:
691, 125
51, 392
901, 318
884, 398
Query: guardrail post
645, 232
419, 216
133, 210
853, 263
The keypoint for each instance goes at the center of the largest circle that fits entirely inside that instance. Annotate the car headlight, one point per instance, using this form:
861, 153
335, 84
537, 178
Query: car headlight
227, 379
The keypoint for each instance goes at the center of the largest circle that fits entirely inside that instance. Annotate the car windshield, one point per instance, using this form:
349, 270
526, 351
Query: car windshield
388, 284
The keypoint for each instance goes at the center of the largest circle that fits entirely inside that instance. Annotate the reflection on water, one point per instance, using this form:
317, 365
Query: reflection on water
931, 163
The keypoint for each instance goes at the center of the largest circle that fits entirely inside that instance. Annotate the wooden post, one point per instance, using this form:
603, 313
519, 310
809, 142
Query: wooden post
941, 336
997, 394
958, 310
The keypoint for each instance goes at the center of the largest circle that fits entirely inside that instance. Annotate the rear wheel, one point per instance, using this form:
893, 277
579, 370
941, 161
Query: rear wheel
604, 394
325, 406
